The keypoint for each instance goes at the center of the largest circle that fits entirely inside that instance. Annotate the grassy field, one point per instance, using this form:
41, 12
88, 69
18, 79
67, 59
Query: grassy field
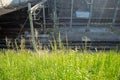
59, 65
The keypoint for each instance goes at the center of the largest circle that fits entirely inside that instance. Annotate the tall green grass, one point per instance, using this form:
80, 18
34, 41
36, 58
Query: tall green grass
59, 65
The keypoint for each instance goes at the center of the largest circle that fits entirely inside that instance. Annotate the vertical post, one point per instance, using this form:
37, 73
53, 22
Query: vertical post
90, 15
72, 2
55, 5
116, 11
55, 14
44, 18
31, 26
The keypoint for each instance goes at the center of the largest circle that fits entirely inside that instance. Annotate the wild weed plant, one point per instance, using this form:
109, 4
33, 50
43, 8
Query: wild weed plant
59, 64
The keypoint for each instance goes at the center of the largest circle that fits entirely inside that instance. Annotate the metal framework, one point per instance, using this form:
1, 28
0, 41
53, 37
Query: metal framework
31, 26
116, 11
40, 5
91, 12
91, 8
31, 11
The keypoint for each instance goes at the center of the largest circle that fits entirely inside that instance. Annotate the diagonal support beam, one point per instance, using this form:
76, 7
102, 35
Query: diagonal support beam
39, 5
115, 13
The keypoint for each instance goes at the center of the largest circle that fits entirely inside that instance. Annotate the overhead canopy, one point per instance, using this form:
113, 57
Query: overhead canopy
7, 6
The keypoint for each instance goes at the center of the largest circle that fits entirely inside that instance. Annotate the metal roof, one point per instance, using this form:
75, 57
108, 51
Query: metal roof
7, 6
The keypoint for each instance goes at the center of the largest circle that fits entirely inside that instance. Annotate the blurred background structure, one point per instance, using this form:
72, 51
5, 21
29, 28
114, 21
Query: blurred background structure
96, 22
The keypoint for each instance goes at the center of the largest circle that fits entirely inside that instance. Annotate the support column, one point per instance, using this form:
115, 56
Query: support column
55, 15
90, 15
44, 18
32, 27
71, 19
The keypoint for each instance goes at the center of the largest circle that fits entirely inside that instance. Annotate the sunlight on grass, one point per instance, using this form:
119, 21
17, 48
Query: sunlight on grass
59, 65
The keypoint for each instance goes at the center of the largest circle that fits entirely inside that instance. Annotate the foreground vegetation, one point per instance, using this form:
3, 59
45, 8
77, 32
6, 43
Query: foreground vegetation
59, 65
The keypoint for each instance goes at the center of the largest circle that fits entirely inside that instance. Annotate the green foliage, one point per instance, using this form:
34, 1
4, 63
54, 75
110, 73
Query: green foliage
59, 65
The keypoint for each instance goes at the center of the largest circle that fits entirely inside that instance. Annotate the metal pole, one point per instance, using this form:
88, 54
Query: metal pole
55, 5
90, 15
115, 14
31, 26
72, 2
55, 14
44, 18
